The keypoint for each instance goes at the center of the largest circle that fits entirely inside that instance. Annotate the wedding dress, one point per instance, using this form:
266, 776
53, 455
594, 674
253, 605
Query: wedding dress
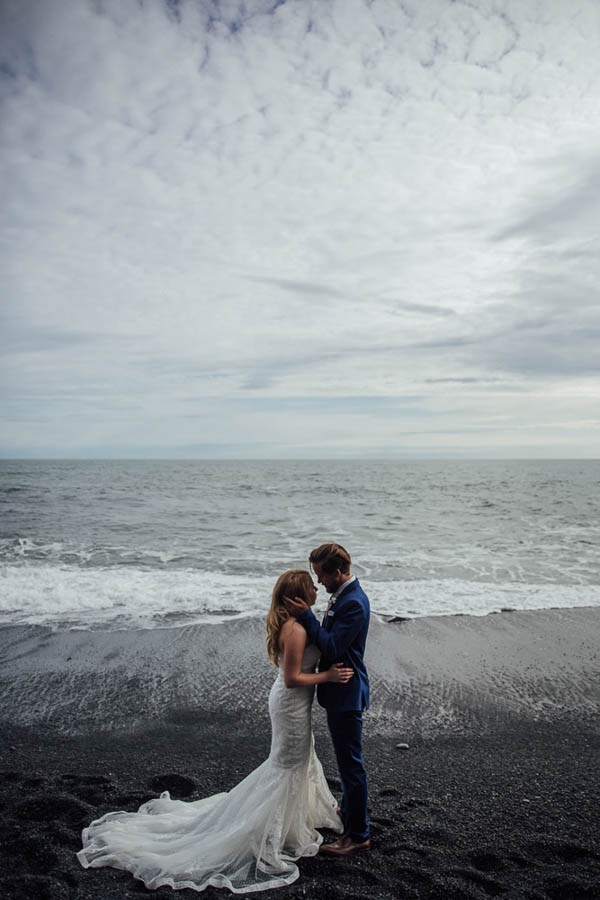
246, 839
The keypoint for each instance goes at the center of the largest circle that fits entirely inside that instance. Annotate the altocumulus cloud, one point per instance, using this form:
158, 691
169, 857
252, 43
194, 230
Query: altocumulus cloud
305, 227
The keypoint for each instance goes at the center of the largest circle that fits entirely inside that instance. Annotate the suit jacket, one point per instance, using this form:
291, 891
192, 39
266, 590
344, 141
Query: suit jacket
342, 638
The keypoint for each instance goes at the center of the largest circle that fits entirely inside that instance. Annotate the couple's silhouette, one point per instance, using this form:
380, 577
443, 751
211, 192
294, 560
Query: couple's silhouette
249, 838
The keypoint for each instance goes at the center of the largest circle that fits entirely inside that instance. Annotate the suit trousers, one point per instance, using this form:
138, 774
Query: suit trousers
346, 734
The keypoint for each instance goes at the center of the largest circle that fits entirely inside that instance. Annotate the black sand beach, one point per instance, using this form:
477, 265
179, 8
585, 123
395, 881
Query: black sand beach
497, 793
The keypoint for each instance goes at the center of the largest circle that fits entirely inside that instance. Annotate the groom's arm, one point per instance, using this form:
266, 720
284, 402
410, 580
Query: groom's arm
347, 624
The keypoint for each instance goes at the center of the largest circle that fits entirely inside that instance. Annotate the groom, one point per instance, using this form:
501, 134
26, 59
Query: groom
342, 638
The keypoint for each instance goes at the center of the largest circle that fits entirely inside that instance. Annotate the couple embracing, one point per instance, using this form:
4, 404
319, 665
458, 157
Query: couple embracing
249, 838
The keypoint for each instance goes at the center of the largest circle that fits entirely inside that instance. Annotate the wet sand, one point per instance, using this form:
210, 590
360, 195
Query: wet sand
497, 794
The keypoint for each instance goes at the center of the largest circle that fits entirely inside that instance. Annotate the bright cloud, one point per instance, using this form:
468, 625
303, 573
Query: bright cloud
309, 227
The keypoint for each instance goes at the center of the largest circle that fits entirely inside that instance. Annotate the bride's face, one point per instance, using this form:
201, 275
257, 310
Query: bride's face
312, 594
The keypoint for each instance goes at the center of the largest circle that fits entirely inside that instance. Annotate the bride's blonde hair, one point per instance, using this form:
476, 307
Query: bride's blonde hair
293, 583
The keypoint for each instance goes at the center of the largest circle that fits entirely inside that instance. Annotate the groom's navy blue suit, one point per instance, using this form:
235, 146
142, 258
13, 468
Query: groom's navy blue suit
342, 638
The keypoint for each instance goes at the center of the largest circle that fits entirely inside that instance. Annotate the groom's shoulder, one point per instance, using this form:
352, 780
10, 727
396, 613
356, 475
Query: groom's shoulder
355, 592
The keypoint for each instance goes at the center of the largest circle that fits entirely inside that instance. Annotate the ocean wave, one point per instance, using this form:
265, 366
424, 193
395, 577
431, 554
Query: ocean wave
577, 564
19, 549
63, 596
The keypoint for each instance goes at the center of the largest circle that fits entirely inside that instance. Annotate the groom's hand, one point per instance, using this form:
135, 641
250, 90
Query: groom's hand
295, 606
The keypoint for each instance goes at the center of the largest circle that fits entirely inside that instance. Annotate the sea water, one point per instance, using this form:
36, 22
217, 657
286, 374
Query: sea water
115, 544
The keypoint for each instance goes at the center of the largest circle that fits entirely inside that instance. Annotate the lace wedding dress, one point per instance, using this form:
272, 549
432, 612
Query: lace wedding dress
246, 839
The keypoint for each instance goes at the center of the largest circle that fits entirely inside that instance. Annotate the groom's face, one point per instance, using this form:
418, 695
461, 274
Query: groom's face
331, 581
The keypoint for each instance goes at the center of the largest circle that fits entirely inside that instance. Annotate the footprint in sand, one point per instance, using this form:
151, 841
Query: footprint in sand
487, 861
478, 879
38, 886
176, 785
54, 806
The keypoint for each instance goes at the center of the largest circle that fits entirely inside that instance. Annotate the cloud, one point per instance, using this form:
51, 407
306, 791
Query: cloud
305, 288
257, 207
565, 210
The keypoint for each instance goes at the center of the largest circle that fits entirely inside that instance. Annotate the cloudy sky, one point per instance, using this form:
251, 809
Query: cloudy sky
300, 228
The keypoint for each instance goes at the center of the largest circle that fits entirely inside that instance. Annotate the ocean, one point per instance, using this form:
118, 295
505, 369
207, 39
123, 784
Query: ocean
111, 544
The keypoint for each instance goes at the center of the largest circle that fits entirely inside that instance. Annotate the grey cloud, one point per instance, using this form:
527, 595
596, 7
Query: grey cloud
310, 289
551, 346
189, 179
40, 339
468, 379
549, 326
561, 212
427, 309
306, 288
551, 354
452, 341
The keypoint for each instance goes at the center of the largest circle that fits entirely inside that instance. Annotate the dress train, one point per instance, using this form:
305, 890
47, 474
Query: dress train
246, 839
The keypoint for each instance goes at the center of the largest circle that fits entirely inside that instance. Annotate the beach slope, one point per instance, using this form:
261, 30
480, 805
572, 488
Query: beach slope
496, 794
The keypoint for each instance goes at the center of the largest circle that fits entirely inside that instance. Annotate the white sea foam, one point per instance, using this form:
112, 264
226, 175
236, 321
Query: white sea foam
109, 544
123, 597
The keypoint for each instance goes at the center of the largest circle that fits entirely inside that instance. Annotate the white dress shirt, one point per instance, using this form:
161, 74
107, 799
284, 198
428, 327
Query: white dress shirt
341, 588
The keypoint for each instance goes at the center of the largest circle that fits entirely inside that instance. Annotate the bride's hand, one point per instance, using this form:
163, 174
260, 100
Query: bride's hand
339, 674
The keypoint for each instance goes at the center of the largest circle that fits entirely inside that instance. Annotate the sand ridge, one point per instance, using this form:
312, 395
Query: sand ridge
431, 676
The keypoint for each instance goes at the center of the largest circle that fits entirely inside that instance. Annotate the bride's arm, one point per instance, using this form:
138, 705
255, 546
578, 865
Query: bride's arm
293, 641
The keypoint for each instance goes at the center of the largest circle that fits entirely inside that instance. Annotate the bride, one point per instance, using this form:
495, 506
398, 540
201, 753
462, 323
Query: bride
248, 838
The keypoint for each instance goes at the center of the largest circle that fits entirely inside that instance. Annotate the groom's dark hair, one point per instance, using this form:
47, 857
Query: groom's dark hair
331, 557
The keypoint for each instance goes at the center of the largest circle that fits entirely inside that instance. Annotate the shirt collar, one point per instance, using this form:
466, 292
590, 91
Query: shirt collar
342, 588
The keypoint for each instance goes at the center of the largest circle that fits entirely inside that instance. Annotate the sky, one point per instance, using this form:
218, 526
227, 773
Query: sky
304, 228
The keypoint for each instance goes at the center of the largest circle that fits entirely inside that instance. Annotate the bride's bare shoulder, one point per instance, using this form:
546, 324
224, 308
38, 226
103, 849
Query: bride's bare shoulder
290, 629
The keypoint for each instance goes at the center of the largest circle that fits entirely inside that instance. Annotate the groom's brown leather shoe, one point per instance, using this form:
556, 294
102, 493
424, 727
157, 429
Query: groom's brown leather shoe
344, 847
